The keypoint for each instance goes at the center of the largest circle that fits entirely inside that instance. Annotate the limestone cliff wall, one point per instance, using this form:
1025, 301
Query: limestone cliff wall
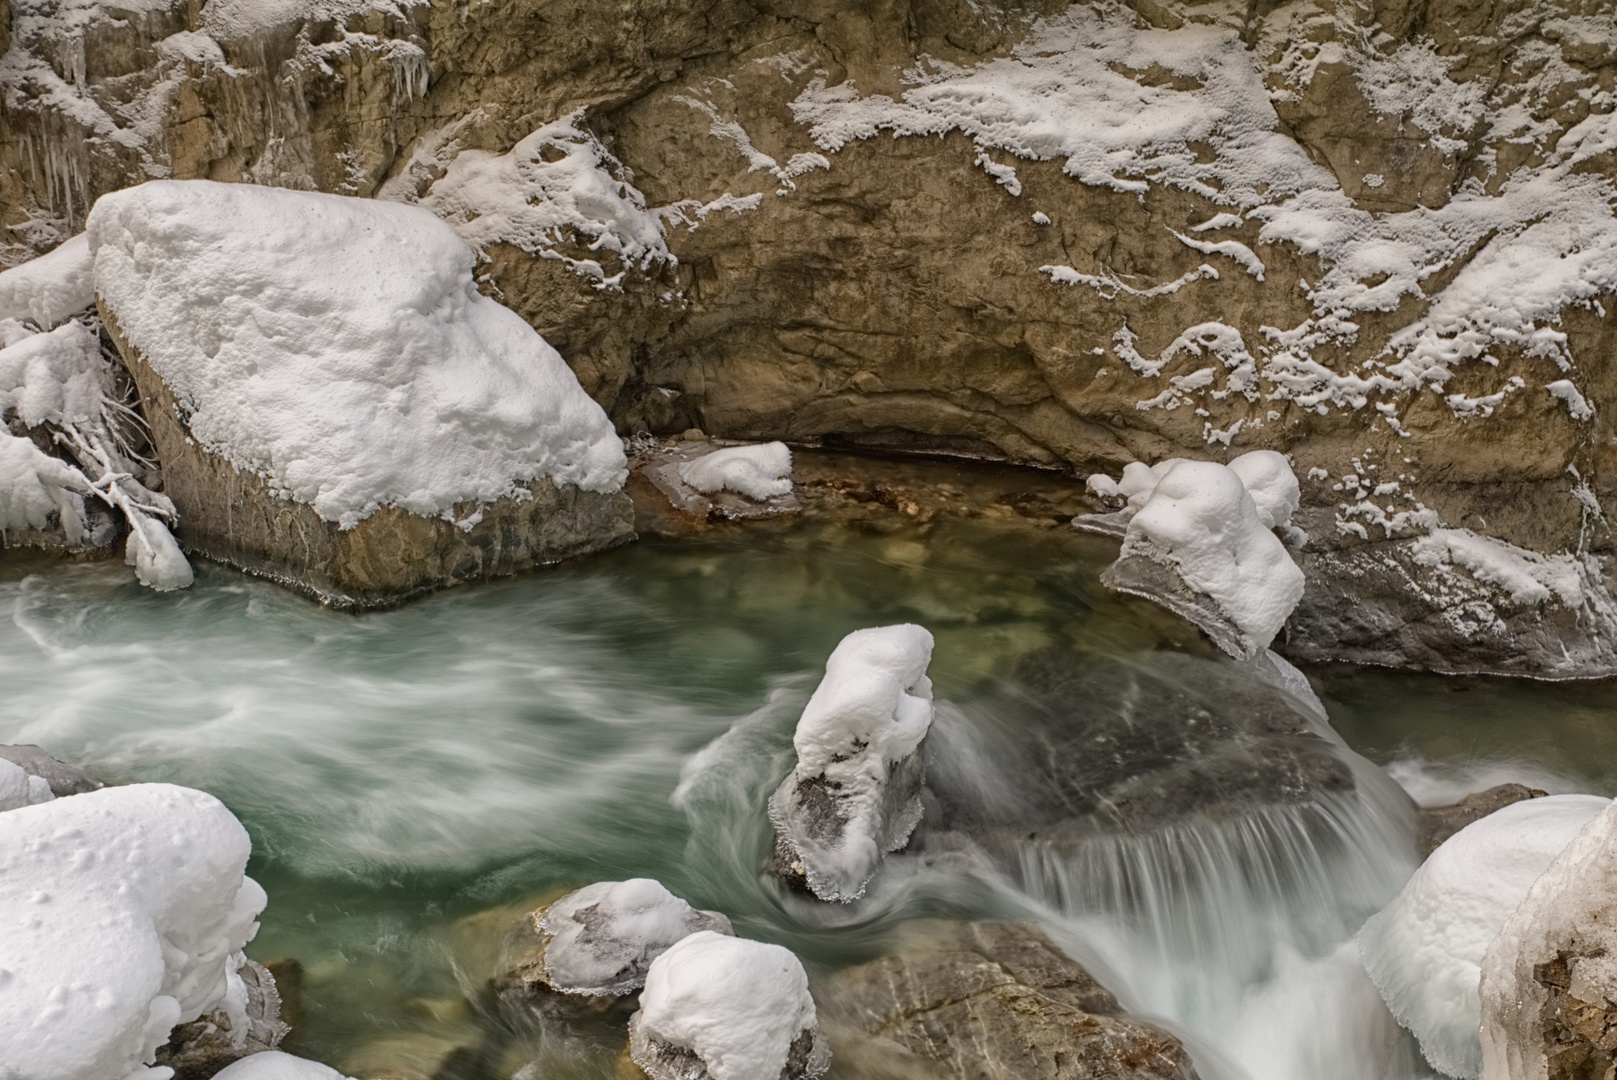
1374, 234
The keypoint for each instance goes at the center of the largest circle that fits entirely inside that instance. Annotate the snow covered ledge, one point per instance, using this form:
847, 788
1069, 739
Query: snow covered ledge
335, 405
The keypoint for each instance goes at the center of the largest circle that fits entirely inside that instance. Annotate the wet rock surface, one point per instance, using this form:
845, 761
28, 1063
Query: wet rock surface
1031, 1013
233, 517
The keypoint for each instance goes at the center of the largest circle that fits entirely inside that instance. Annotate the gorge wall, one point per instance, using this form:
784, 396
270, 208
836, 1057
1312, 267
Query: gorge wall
1377, 236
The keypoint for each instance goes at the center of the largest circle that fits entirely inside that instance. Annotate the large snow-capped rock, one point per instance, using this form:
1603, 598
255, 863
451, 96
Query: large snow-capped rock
335, 404
125, 913
854, 794
1549, 979
1425, 950
725, 1008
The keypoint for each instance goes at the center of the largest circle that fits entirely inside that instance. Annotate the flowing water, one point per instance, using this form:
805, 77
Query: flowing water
411, 777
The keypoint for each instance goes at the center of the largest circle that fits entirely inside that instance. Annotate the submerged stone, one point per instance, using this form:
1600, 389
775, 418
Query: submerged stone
964, 1001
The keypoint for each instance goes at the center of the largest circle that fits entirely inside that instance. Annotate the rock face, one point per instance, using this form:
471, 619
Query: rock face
198, 1050
1307, 256
1549, 980
1031, 1013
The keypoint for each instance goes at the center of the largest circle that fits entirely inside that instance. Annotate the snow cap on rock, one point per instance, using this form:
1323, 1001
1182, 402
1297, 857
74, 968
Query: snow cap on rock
875, 698
50, 289
130, 909
759, 472
605, 935
1424, 950
1201, 518
276, 1065
738, 1005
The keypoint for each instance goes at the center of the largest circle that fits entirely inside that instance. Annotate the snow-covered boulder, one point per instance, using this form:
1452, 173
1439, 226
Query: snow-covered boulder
18, 788
125, 913
731, 482
1424, 951
603, 937
62, 778
50, 289
1549, 979
727, 1008
855, 793
335, 404
276, 1065
1199, 538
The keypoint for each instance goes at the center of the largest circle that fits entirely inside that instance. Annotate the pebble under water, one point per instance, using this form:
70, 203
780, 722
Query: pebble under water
410, 776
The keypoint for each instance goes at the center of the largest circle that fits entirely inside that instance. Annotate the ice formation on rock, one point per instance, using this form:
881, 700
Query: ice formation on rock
855, 792
742, 1008
759, 472
339, 348
1424, 951
277, 1065
604, 936
129, 910
1549, 978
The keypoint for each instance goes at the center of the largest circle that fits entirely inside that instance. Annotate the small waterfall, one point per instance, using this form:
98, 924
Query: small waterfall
1206, 845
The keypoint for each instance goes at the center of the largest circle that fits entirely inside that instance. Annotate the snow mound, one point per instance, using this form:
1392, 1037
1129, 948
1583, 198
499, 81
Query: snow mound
54, 376
854, 795
1200, 517
1268, 478
758, 472
875, 703
127, 910
339, 348
32, 484
1424, 950
738, 1005
51, 288
1568, 916
275, 1065
18, 789
604, 936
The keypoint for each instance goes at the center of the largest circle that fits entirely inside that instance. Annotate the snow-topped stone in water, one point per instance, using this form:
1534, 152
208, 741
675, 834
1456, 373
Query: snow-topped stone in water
50, 289
855, 793
1200, 517
277, 1065
1424, 951
759, 472
339, 348
604, 936
126, 909
1555, 960
741, 1007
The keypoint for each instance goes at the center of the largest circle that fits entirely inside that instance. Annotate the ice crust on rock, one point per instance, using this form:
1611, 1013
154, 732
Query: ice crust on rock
1567, 916
604, 936
856, 739
277, 1065
737, 1005
50, 289
128, 910
1200, 517
759, 472
339, 348
1424, 951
